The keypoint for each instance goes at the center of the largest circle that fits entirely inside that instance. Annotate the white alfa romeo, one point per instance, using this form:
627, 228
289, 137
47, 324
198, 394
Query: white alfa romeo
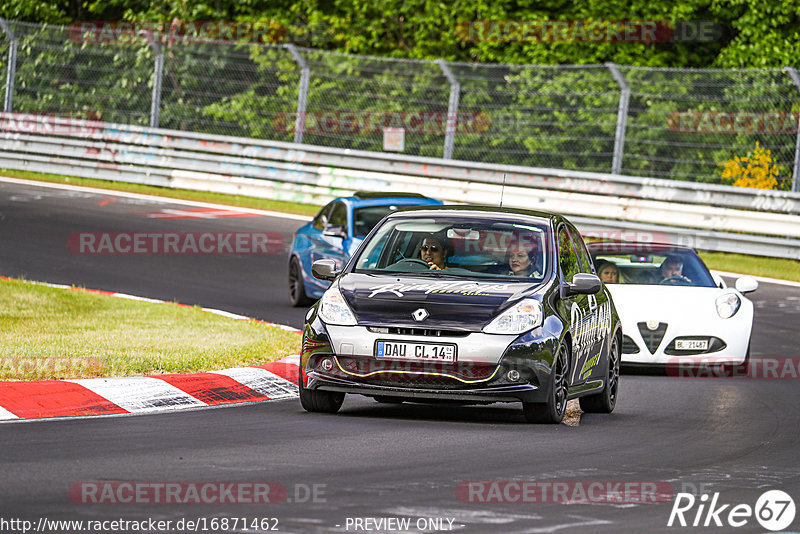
673, 310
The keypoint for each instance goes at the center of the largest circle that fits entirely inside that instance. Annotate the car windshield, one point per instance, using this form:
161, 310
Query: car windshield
365, 219
459, 246
678, 267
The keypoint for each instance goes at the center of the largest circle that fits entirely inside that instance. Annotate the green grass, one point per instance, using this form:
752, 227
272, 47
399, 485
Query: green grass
738, 263
52, 333
754, 265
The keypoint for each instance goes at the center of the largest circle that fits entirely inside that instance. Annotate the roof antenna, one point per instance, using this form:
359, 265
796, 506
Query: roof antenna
503, 190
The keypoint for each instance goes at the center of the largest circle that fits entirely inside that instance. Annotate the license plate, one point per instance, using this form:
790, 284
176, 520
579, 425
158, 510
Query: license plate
401, 350
691, 344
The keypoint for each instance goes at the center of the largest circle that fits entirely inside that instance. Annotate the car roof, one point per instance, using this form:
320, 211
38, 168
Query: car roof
386, 199
636, 247
478, 210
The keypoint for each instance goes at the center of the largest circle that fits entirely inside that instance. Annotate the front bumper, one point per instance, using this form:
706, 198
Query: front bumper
489, 368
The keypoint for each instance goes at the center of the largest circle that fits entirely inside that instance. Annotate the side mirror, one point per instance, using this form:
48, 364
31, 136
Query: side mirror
335, 230
746, 284
324, 269
582, 284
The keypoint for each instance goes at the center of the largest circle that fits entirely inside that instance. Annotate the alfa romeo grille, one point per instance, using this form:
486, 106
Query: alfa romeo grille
652, 338
629, 346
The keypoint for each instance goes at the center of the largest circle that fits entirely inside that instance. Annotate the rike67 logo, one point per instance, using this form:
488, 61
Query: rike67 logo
774, 510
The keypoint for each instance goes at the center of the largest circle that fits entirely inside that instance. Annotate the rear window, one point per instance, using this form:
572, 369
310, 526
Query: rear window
365, 219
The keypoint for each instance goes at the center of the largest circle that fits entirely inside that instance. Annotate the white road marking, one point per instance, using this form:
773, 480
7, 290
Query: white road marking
5, 415
140, 394
162, 200
261, 380
759, 278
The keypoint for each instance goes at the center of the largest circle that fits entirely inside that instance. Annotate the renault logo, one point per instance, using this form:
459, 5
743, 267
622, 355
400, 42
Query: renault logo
420, 315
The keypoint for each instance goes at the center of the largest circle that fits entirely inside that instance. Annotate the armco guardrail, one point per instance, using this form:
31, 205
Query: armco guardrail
711, 217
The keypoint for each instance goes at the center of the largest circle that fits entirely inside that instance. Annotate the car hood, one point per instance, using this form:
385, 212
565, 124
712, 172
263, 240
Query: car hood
451, 303
668, 304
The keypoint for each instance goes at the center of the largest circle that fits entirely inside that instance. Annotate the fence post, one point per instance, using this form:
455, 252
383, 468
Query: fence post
452, 109
12, 65
622, 117
302, 96
158, 74
796, 172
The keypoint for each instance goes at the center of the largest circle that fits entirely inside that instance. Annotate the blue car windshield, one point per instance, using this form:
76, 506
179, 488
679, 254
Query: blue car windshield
459, 246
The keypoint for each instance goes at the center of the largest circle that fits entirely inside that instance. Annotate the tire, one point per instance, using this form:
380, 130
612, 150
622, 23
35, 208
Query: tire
297, 290
552, 411
605, 401
320, 401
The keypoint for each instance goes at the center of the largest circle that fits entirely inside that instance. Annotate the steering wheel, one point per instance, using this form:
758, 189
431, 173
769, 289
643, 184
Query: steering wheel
675, 280
414, 260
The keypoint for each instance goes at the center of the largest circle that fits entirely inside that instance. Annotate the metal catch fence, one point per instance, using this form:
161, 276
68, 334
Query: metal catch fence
664, 123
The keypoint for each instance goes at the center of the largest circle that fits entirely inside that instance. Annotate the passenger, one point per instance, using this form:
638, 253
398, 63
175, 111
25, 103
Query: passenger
522, 261
608, 272
434, 251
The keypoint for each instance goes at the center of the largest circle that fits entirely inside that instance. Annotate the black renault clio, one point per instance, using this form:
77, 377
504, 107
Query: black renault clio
465, 304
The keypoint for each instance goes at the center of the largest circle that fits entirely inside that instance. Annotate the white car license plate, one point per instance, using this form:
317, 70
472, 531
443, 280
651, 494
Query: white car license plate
401, 350
691, 344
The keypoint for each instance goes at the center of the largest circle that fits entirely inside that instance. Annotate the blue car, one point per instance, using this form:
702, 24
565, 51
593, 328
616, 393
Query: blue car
335, 233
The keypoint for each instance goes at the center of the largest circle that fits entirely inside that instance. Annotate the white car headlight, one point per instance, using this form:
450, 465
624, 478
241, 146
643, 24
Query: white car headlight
523, 316
728, 305
334, 309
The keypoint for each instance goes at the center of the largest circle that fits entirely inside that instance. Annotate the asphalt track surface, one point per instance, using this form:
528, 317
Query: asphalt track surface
735, 437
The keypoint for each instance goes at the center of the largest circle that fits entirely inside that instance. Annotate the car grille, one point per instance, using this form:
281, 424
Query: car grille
652, 338
629, 346
419, 375
403, 331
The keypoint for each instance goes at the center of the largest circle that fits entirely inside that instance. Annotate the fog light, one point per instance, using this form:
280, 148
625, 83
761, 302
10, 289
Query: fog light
327, 365
513, 375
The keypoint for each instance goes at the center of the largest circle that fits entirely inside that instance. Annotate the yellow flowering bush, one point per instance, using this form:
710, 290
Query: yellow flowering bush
755, 170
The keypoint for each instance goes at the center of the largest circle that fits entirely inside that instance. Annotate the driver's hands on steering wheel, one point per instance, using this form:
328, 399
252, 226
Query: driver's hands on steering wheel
434, 267
675, 279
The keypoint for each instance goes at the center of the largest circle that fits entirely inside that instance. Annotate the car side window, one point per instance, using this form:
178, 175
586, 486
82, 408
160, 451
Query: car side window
321, 219
338, 216
567, 257
587, 266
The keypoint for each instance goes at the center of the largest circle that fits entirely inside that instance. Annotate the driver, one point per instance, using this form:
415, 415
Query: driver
672, 268
434, 251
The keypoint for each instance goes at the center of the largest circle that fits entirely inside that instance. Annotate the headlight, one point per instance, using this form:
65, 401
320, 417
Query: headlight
334, 310
521, 317
728, 305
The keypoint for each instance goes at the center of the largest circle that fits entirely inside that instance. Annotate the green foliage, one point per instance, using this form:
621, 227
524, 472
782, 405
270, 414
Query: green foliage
529, 115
